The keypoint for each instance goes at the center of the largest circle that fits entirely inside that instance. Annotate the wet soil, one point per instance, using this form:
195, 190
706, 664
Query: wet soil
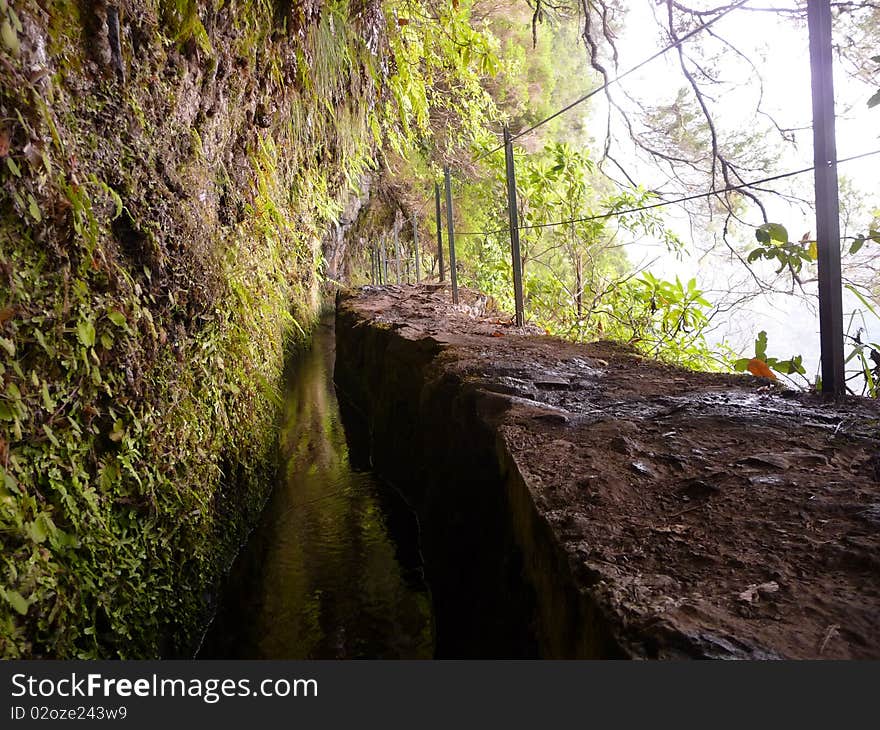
704, 515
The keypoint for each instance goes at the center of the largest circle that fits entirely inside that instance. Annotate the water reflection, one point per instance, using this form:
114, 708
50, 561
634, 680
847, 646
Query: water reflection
333, 570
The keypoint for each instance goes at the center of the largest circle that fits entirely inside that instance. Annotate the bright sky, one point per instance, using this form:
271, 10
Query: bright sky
780, 50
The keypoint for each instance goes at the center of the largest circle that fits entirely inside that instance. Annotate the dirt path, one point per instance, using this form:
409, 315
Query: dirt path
714, 515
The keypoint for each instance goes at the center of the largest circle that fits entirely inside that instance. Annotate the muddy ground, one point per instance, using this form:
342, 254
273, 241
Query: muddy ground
720, 514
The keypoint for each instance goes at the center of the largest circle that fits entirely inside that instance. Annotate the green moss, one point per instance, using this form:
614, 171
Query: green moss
152, 290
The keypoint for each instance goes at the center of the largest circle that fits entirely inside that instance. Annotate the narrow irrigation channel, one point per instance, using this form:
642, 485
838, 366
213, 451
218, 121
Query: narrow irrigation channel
333, 569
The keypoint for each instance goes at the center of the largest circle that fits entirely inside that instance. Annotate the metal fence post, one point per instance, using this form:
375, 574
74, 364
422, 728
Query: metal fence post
439, 232
827, 204
450, 234
415, 225
514, 229
397, 254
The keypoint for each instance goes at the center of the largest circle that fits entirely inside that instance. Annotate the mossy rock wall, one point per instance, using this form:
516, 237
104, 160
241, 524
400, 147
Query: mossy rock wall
168, 169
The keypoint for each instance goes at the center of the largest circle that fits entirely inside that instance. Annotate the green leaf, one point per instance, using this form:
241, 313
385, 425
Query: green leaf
856, 245
118, 431
13, 168
9, 481
117, 318
47, 399
34, 209
861, 298
755, 255
85, 331
50, 434
17, 601
41, 338
868, 374
62, 540
761, 345
10, 37
741, 364
777, 232
37, 530
772, 232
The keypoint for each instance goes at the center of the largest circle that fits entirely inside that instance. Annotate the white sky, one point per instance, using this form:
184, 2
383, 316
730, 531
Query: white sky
783, 60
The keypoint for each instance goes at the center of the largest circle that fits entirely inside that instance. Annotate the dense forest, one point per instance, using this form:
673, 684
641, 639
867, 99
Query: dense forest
184, 182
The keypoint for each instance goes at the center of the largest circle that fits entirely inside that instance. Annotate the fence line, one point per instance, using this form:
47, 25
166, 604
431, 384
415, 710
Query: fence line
819, 20
610, 214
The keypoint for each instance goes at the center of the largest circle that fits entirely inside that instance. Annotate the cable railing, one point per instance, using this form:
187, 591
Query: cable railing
824, 169
664, 203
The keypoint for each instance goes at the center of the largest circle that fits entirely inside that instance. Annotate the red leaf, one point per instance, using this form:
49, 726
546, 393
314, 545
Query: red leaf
758, 368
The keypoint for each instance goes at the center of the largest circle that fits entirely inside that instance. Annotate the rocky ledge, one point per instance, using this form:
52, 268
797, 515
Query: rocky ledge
583, 501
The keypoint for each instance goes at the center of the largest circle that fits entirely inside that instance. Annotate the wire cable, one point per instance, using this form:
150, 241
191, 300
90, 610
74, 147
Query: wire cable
685, 199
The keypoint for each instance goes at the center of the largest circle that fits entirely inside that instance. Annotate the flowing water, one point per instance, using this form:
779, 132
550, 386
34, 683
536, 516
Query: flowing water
333, 569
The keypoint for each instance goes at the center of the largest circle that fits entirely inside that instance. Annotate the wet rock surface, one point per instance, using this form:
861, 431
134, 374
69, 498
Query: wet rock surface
660, 512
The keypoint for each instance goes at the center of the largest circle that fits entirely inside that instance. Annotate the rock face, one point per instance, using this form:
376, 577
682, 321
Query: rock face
334, 247
168, 172
582, 501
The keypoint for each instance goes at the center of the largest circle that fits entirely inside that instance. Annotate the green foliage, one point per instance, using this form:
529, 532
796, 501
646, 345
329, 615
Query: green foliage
435, 92
148, 295
535, 80
791, 366
10, 27
182, 19
872, 235
577, 280
773, 238
574, 274
665, 319
866, 354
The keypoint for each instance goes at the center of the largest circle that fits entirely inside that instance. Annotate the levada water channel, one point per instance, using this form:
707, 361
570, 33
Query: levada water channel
333, 569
